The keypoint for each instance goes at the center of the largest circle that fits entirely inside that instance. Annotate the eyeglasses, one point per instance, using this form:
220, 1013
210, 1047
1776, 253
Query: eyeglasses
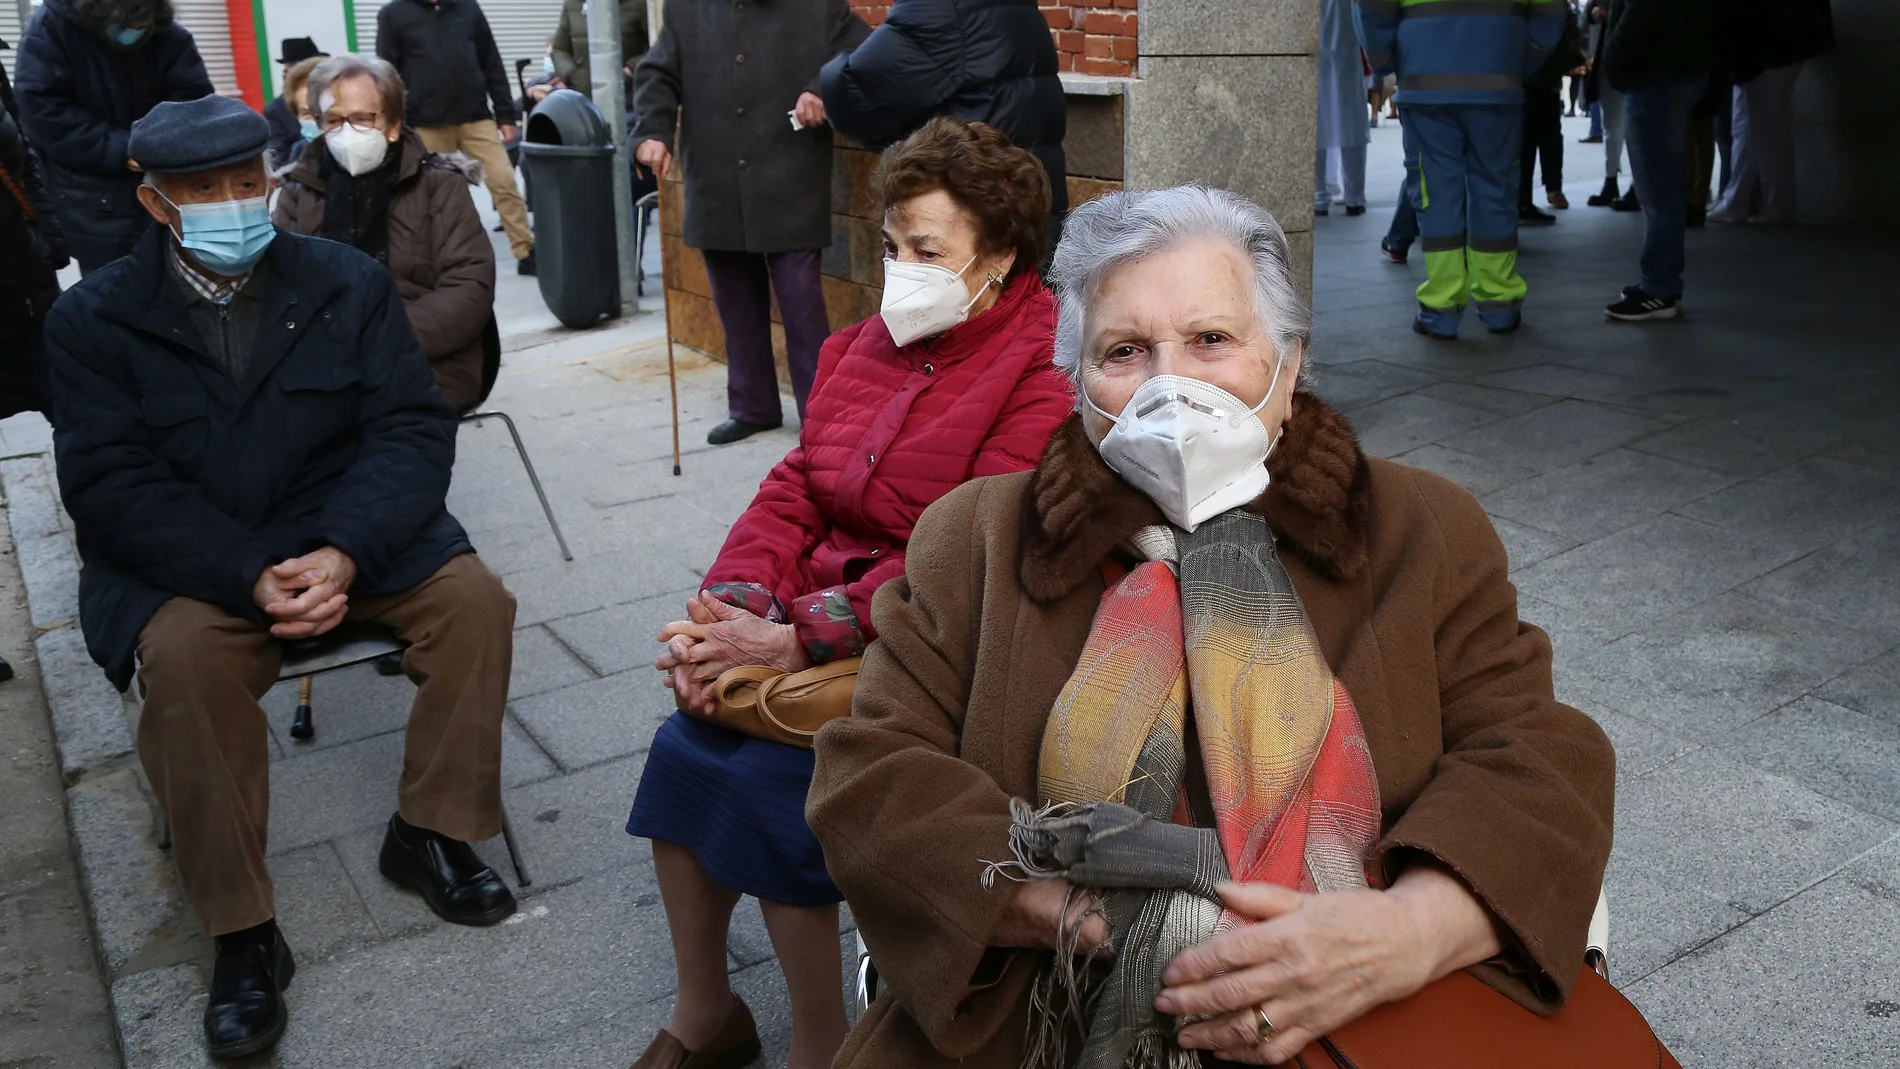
366, 119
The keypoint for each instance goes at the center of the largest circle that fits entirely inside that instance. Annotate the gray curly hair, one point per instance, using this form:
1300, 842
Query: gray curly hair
1125, 226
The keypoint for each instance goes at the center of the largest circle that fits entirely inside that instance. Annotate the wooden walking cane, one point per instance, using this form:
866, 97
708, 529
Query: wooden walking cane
666, 299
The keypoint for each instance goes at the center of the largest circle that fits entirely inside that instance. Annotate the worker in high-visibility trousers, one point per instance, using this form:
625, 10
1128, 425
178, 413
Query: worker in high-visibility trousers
1460, 67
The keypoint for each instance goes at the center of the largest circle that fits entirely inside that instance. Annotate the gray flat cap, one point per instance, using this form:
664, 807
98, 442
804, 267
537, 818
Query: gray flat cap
182, 136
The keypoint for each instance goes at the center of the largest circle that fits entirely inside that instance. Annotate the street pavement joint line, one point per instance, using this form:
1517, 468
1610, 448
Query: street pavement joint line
560, 769
571, 652
1726, 932
361, 899
1737, 755
106, 768
632, 501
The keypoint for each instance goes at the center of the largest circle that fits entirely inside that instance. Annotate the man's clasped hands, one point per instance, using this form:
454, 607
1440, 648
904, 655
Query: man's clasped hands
308, 595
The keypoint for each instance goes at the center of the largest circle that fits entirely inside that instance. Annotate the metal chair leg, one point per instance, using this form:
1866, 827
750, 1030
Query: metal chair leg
301, 728
514, 851
522, 452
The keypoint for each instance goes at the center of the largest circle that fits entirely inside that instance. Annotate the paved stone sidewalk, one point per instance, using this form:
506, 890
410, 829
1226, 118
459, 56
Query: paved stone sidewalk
1705, 514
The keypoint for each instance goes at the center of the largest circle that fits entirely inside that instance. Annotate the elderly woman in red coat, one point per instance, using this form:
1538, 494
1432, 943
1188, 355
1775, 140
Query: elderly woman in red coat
953, 380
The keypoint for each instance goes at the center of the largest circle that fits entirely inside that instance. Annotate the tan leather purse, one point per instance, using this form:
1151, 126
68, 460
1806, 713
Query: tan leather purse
780, 706
1459, 1023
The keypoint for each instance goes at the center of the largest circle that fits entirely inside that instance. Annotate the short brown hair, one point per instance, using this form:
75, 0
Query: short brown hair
1003, 186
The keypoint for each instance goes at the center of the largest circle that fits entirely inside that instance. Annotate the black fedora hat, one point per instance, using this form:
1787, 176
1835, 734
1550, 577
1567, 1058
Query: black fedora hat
298, 49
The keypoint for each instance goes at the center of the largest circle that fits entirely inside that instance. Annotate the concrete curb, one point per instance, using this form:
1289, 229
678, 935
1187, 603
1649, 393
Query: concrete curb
89, 716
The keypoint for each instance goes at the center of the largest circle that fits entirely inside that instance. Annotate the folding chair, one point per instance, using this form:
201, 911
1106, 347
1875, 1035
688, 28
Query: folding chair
349, 644
491, 370
355, 643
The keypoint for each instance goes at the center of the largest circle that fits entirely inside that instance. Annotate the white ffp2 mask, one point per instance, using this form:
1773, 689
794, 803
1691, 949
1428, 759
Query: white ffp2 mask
358, 149
924, 299
1193, 448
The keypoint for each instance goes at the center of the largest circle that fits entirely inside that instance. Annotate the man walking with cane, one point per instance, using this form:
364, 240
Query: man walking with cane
717, 86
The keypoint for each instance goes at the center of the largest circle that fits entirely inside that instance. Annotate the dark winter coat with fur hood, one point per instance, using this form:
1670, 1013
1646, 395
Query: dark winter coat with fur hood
1403, 577
79, 95
437, 248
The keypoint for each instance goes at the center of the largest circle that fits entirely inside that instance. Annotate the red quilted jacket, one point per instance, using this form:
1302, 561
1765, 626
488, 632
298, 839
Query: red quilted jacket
887, 432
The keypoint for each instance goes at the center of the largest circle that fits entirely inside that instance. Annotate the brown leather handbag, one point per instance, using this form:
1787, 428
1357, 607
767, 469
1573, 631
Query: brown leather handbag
1459, 1023
781, 706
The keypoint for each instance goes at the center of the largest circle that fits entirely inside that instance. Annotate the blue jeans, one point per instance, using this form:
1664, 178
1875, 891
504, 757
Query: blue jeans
1656, 128
1596, 118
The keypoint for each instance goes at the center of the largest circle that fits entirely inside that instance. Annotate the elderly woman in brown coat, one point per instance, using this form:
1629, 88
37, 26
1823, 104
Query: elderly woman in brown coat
1210, 690
372, 184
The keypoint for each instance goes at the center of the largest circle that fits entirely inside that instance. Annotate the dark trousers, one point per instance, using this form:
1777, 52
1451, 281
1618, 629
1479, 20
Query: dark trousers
1658, 132
1404, 229
743, 285
206, 749
1543, 137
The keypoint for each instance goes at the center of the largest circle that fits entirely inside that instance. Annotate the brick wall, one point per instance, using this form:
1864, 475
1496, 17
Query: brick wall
1092, 36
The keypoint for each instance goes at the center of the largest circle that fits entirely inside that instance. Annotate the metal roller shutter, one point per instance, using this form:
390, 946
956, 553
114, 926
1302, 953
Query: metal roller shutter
521, 29
210, 26
10, 27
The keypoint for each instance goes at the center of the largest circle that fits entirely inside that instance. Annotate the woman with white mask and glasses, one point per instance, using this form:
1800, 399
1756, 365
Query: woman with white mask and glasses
1209, 712
952, 380
368, 181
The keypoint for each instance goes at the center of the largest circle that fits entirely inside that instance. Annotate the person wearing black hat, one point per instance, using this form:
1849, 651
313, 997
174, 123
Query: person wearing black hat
291, 125
252, 449
88, 69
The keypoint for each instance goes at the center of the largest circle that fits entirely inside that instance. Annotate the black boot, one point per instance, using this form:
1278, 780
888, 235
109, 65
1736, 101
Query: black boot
1627, 202
736, 430
1607, 197
246, 1011
446, 873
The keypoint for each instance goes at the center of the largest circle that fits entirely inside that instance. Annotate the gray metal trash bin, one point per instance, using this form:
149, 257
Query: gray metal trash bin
569, 155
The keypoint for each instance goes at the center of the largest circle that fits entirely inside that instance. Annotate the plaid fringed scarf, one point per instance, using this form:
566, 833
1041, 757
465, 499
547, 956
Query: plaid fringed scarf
1290, 779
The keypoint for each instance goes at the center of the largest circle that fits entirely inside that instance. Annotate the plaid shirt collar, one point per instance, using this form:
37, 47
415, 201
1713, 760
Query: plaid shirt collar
219, 293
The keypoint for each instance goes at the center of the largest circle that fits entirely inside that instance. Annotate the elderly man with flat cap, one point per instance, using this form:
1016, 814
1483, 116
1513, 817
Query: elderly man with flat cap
253, 450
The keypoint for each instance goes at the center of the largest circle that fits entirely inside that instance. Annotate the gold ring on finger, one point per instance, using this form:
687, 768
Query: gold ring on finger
1263, 1026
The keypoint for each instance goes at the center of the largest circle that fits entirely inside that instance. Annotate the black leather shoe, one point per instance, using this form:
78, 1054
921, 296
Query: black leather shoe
737, 430
446, 873
246, 1011
525, 265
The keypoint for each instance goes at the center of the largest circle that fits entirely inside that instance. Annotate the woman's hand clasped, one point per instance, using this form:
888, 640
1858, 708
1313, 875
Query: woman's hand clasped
1313, 963
716, 637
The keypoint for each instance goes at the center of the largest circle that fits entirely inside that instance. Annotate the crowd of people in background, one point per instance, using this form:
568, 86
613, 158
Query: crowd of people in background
1699, 94
281, 413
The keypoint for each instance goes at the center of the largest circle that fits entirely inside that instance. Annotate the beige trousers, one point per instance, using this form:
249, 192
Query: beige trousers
206, 749
481, 140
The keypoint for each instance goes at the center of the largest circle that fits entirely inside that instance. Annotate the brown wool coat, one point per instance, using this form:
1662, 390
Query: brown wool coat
438, 250
1404, 579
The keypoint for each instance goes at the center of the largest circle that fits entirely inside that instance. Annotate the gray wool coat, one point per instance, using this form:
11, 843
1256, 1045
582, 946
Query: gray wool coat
715, 88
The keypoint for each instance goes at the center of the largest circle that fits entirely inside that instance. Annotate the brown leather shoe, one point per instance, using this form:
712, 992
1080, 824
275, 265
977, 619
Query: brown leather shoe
736, 1045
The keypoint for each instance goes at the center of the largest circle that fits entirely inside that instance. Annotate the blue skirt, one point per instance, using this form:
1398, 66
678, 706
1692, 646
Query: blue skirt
739, 804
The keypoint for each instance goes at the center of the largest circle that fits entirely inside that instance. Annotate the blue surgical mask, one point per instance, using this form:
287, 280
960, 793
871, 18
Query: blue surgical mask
547, 64
309, 128
125, 36
226, 236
